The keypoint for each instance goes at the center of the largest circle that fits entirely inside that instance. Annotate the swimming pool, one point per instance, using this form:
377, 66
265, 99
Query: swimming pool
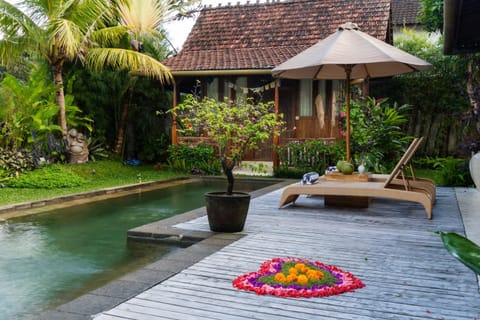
49, 258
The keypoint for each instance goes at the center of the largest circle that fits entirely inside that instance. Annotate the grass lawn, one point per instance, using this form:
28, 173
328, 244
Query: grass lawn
96, 175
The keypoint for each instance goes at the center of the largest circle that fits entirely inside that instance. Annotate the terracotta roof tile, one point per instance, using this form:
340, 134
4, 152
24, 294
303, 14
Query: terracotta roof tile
405, 11
263, 35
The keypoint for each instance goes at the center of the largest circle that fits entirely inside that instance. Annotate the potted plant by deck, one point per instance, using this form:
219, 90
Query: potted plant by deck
234, 126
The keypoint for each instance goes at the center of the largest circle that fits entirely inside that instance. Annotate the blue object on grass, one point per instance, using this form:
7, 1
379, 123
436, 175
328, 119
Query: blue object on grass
133, 162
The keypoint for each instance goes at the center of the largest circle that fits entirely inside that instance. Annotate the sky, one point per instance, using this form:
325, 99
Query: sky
178, 30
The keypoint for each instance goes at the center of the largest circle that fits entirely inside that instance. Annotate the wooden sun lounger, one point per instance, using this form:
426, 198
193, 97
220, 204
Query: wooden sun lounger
416, 183
399, 173
378, 186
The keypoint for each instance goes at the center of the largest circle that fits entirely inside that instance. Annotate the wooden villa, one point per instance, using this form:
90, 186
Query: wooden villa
231, 51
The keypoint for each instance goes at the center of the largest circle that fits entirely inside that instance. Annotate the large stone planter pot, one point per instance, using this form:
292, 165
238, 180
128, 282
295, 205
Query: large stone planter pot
227, 213
475, 169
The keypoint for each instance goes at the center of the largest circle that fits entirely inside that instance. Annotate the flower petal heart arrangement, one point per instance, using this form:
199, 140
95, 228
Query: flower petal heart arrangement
297, 278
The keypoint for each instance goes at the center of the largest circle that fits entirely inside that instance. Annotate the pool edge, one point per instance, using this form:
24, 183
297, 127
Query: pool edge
30, 207
136, 282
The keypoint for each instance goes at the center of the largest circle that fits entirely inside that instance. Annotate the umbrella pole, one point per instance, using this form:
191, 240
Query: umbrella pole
348, 70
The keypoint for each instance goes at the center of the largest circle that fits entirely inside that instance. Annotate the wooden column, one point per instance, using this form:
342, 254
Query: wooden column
276, 134
174, 114
348, 71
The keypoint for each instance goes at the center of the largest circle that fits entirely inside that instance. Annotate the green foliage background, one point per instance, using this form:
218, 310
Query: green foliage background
437, 97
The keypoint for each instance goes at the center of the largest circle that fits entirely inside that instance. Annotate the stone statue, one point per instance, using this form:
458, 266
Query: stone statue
77, 147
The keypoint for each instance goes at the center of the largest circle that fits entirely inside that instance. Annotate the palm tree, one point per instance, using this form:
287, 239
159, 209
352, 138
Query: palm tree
59, 31
142, 19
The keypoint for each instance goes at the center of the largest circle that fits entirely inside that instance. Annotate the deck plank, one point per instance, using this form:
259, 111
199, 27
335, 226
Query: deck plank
391, 246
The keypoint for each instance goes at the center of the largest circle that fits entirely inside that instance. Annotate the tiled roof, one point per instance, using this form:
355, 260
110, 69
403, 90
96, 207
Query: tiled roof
263, 35
405, 12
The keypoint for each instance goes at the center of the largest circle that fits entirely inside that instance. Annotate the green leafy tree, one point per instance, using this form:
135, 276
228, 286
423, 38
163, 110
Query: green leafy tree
432, 19
143, 19
437, 96
61, 31
235, 127
431, 15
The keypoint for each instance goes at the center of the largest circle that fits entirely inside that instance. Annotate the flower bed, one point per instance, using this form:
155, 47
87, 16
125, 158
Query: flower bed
295, 277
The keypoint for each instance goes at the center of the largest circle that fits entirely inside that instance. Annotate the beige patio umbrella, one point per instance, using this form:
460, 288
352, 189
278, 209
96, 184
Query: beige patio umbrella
349, 54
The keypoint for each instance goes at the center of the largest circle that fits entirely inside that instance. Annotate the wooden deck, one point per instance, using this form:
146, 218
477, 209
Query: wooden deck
391, 246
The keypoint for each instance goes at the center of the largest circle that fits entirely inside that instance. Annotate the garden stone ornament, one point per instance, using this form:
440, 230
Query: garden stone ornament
77, 147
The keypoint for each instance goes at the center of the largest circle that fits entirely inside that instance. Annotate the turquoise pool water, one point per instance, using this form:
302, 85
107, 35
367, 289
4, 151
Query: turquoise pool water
52, 257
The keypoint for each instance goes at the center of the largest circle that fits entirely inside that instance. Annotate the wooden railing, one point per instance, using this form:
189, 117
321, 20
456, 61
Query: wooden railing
195, 140
293, 159
283, 142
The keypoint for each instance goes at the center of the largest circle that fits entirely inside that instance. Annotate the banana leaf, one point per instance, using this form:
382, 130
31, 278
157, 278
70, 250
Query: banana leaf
463, 249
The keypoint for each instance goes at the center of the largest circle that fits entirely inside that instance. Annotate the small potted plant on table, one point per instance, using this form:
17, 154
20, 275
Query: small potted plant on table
234, 126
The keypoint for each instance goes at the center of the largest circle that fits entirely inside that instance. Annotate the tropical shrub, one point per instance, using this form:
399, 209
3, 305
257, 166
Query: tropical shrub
28, 112
452, 172
377, 138
96, 149
156, 150
47, 177
27, 106
12, 163
49, 149
190, 158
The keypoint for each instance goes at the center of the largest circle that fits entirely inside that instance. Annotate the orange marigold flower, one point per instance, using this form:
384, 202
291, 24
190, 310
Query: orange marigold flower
302, 279
299, 266
293, 271
312, 275
291, 277
280, 277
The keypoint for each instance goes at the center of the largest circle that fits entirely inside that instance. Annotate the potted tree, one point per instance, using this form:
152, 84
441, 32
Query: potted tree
234, 127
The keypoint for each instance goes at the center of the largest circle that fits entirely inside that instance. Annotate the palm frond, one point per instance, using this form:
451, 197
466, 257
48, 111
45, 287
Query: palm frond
142, 16
92, 14
108, 37
123, 59
66, 35
156, 45
13, 22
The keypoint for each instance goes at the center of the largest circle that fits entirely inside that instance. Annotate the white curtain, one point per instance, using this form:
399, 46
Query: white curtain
320, 103
212, 89
306, 98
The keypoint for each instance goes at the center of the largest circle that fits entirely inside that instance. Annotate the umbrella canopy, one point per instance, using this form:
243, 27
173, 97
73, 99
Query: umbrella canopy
349, 54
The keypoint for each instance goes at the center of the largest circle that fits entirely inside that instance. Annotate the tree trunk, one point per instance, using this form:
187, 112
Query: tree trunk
452, 137
60, 96
418, 124
433, 135
136, 46
119, 141
426, 122
473, 89
122, 125
228, 169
